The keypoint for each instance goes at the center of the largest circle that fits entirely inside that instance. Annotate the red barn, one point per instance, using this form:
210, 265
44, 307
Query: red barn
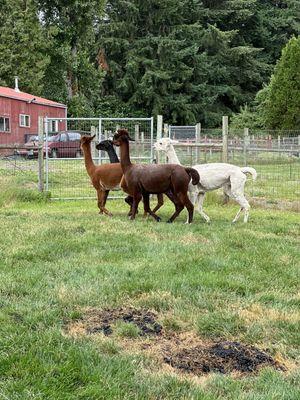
19, 114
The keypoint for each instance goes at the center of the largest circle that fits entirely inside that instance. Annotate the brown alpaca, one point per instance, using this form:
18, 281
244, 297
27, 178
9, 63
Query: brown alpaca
144, 179
107, 145
104, 177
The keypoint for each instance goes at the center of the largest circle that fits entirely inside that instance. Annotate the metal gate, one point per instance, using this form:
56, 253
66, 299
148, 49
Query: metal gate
65, 173
186, 132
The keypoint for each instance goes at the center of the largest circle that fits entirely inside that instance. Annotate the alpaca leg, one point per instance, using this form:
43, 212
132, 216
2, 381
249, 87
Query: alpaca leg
245, 206
129, 201
237, 193
183, 197
136, 199
178, 206
102, 196
226, 197
199, 203
160, 202
104, 203
147, 208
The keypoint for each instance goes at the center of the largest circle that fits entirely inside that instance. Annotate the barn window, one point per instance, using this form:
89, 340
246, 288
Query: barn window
24, 121
52, 126
4, 124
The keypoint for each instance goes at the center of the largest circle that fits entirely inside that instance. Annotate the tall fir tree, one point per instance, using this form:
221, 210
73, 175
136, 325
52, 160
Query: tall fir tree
73, 74
282, 107
167, 58
22, 46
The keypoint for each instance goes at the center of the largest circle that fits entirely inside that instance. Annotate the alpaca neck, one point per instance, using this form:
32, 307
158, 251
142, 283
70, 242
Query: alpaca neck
124, 154
89, 163
113, 158
172, 156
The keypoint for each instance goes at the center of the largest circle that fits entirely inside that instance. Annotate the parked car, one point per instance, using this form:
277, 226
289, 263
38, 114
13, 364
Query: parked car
30, 148
64, 144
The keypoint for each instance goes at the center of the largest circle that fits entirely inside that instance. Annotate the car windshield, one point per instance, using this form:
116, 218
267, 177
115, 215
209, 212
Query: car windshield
33, 138
53, 138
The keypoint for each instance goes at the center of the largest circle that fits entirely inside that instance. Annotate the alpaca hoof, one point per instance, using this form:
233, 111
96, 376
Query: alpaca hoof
169, 221
158, 219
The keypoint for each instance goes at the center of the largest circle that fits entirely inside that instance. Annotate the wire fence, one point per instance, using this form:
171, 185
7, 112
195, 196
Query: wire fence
66, 175
274, 154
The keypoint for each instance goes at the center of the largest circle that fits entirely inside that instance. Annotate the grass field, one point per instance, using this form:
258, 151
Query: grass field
217, 281
278, 180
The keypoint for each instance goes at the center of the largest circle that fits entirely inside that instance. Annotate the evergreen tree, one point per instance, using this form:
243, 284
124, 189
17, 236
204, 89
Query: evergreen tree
73, 73
22, 46
164, 57
282, 108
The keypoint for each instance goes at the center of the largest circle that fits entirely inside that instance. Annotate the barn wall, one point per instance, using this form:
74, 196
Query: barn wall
13, 108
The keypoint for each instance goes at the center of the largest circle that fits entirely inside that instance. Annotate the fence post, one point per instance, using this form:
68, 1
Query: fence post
159, 127
246, 144
41, 154
99, 139
46, 127
225, 138
198, 138
166, 130
159, 133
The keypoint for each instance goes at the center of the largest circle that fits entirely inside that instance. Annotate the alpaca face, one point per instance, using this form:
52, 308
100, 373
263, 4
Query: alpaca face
120, 136
104, 145
86, 139
164, 144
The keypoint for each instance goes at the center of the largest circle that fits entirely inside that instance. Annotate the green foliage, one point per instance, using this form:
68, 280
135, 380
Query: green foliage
178, 63
22, 46
191, 61
283, 101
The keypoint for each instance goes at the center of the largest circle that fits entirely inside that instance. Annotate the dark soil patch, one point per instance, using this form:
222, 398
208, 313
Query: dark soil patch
96, 321
183, 351
223, 357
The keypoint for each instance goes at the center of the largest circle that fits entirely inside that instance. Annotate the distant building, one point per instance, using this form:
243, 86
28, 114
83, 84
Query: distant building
19, 114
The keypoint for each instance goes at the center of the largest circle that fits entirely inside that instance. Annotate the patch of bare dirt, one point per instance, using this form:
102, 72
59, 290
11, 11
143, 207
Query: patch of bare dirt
97, 321
223, 357
185, 352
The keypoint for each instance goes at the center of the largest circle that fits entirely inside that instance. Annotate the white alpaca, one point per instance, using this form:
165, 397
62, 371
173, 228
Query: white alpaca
213, 176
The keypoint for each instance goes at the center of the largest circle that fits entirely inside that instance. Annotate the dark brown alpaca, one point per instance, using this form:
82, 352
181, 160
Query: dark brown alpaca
107, 145
104, 177
144, 179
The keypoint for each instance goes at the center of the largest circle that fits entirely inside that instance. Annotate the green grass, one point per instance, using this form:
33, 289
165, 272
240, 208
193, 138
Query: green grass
236, 282
278, 178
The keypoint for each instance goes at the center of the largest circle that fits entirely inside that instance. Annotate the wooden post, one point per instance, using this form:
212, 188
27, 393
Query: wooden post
166, 130
198, 139
143, 142
41, 155
159, 127
225, 138
137, 139
246, 144
159, 134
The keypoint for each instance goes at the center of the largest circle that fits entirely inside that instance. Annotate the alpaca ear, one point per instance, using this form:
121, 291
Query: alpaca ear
92, 137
